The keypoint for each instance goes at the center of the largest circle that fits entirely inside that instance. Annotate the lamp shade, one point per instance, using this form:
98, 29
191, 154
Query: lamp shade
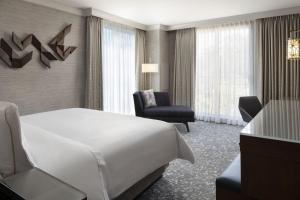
149, 68
293, 49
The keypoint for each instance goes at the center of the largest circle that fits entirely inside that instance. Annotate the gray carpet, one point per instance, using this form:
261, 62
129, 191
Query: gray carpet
214, 147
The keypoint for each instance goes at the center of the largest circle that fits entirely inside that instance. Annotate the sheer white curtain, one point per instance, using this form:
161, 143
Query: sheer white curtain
118, 60
224, 71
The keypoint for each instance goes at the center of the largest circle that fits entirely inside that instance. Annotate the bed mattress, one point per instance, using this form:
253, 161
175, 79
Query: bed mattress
101, 153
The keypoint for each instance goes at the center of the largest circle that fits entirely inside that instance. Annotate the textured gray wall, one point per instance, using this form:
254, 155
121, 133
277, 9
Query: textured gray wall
157, 52
35, 88
152, 56
164, 61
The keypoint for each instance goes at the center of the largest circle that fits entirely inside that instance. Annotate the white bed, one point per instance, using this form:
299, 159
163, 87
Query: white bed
101, 153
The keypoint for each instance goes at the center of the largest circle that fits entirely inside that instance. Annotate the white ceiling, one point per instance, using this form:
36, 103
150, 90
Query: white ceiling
173, 12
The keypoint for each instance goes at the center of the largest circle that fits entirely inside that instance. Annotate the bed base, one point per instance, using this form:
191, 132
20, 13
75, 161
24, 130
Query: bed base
138, 188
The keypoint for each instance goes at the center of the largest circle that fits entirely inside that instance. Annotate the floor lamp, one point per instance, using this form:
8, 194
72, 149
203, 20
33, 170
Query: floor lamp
148, 69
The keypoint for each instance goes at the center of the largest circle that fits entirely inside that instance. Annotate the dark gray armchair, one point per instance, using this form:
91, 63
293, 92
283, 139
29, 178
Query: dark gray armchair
164, 110
249, 107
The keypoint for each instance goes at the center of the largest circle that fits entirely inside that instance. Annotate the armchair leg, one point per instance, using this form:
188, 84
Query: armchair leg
187, 126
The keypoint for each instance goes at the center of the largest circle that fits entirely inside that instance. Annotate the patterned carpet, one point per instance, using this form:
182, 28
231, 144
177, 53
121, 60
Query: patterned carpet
214, 147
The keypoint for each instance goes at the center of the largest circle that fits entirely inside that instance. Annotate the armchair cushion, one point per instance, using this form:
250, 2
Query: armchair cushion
162, 98
169, 111
149, 98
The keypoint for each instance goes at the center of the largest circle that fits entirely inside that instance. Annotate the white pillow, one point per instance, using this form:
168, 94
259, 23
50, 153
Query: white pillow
149, 98
13, 158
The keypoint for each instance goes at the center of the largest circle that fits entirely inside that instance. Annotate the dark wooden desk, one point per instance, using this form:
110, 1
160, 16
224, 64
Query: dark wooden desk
270, 153
38, 185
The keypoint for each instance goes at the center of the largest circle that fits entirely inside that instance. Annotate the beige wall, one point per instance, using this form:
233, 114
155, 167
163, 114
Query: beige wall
35, 88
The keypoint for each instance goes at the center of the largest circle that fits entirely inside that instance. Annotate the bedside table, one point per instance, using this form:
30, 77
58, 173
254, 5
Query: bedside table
35, 184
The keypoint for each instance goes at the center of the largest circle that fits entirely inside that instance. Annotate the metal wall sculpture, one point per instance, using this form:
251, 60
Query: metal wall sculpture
57, 44
13, 60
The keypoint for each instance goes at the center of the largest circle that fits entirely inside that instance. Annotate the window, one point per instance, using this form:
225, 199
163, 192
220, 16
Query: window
118, 60
223, 71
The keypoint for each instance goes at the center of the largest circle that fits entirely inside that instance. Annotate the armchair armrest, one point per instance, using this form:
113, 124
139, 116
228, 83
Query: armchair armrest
138, 104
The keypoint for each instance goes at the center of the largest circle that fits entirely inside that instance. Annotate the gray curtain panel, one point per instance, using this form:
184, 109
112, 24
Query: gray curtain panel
280, 77
94, 94
183, 72
141, 81
257, 60
171, 59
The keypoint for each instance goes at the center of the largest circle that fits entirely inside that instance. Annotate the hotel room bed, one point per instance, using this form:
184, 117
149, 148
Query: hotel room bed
100, 153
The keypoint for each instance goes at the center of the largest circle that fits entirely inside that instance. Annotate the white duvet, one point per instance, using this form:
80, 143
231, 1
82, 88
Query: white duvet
100, 153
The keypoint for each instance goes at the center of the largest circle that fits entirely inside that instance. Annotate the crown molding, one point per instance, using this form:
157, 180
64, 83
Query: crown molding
114, 18
57, 6
87, 12
236, 18
157, 27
